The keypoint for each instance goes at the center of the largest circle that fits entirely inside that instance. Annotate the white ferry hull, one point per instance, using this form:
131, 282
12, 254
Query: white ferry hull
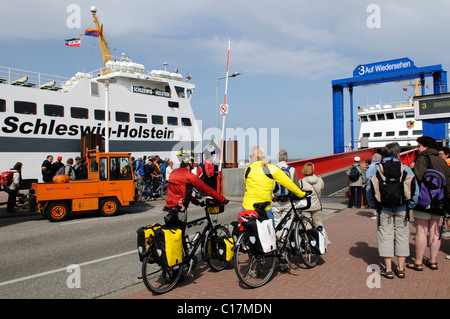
29, 138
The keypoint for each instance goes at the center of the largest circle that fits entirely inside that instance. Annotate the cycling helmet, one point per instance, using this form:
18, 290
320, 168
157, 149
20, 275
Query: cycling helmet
245, 215
185, 156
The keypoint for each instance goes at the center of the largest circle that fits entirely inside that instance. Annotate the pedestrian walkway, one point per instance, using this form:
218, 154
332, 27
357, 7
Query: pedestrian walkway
345, 272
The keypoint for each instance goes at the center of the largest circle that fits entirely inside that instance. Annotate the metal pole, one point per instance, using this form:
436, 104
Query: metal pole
107, 116
225, 102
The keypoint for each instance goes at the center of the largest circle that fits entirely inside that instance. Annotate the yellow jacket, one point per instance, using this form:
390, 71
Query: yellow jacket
259, 186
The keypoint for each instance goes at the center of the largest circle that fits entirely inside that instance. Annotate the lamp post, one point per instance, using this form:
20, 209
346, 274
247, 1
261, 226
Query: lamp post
106, 80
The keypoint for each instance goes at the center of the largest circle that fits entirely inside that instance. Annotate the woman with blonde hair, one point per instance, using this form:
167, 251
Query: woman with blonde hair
259, 177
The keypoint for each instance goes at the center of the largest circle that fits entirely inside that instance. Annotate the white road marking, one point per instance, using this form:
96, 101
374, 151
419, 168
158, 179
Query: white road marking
4, 283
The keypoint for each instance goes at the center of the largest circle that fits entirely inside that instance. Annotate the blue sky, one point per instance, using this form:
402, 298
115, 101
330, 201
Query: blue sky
288, 52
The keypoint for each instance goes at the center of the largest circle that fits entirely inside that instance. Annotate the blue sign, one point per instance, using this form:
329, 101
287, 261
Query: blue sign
381, 67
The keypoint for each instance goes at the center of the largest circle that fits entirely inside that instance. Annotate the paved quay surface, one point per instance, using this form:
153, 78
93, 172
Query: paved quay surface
345, 272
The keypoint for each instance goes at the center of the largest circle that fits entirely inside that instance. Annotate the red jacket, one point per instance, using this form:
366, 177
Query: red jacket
180, 186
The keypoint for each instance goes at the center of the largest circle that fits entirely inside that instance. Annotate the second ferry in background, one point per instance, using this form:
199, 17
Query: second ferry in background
149, 112
382, 124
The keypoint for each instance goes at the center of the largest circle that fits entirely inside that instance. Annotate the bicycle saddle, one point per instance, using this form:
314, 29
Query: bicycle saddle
261, 206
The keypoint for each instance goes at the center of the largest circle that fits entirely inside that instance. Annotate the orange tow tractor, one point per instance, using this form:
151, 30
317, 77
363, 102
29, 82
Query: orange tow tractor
109, 186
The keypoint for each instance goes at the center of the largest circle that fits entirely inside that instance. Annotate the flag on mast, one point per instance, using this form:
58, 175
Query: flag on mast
92, 32
74, 42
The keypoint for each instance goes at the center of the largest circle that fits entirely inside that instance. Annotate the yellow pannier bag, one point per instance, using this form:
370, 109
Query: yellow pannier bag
225, 246
144, 237
169, 246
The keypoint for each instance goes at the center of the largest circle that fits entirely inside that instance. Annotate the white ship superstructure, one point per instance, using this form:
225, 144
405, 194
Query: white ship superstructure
149, 113
381, 124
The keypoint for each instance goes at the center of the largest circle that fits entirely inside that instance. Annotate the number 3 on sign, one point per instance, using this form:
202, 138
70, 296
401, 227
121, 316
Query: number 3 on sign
224, 109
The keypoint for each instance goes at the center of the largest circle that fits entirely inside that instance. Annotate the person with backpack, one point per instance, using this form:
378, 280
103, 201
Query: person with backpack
280, 204
392, 190
356, 178
259, 180
69, 170
376, 159
14, 186
429, 168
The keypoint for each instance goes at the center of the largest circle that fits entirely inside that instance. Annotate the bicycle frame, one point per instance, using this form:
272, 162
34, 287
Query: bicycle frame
200, 240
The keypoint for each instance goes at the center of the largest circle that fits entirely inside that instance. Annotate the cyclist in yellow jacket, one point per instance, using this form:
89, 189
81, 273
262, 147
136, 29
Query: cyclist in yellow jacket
259, 177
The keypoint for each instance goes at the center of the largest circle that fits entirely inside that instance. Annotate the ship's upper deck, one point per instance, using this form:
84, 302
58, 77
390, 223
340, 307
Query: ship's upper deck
119, 69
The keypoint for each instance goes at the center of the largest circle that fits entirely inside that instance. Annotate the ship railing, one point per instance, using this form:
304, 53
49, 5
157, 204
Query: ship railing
31, 79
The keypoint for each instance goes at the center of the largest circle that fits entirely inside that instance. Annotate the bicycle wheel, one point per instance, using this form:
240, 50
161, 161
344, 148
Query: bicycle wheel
146, 193
213, 258
163, 191
158, 278
253, 270
303, 243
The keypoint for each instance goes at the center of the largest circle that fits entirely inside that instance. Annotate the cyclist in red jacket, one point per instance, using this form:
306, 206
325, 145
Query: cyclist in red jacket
181, 184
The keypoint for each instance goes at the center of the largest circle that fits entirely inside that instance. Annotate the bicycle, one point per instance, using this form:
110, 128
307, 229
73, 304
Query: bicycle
145, 191
255, 269
159, 278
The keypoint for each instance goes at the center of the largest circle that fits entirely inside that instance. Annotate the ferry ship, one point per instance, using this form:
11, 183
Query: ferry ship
387, 123
149, 112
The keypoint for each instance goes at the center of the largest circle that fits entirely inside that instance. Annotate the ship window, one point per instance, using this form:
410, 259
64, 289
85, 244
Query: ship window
363, 118
399, 115
140, 118
2, 105
390, 133
409, 114
417, 132
54, 110
380, 117
185, 121
377, 134
389, 116
99, 115
171, 120
189, 93
122, 117
79, 113
372, 118
403, 133
180, 92
94, 88
23, 107
157, 119
366, 135
173, 104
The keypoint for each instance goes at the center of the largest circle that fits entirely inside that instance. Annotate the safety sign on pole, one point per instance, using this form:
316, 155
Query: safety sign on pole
224, 109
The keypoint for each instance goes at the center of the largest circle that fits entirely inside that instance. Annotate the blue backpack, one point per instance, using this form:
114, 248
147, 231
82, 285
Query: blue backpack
280, 190
433, 191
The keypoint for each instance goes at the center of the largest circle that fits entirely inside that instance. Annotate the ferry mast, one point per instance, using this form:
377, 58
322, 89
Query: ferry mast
106, 53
